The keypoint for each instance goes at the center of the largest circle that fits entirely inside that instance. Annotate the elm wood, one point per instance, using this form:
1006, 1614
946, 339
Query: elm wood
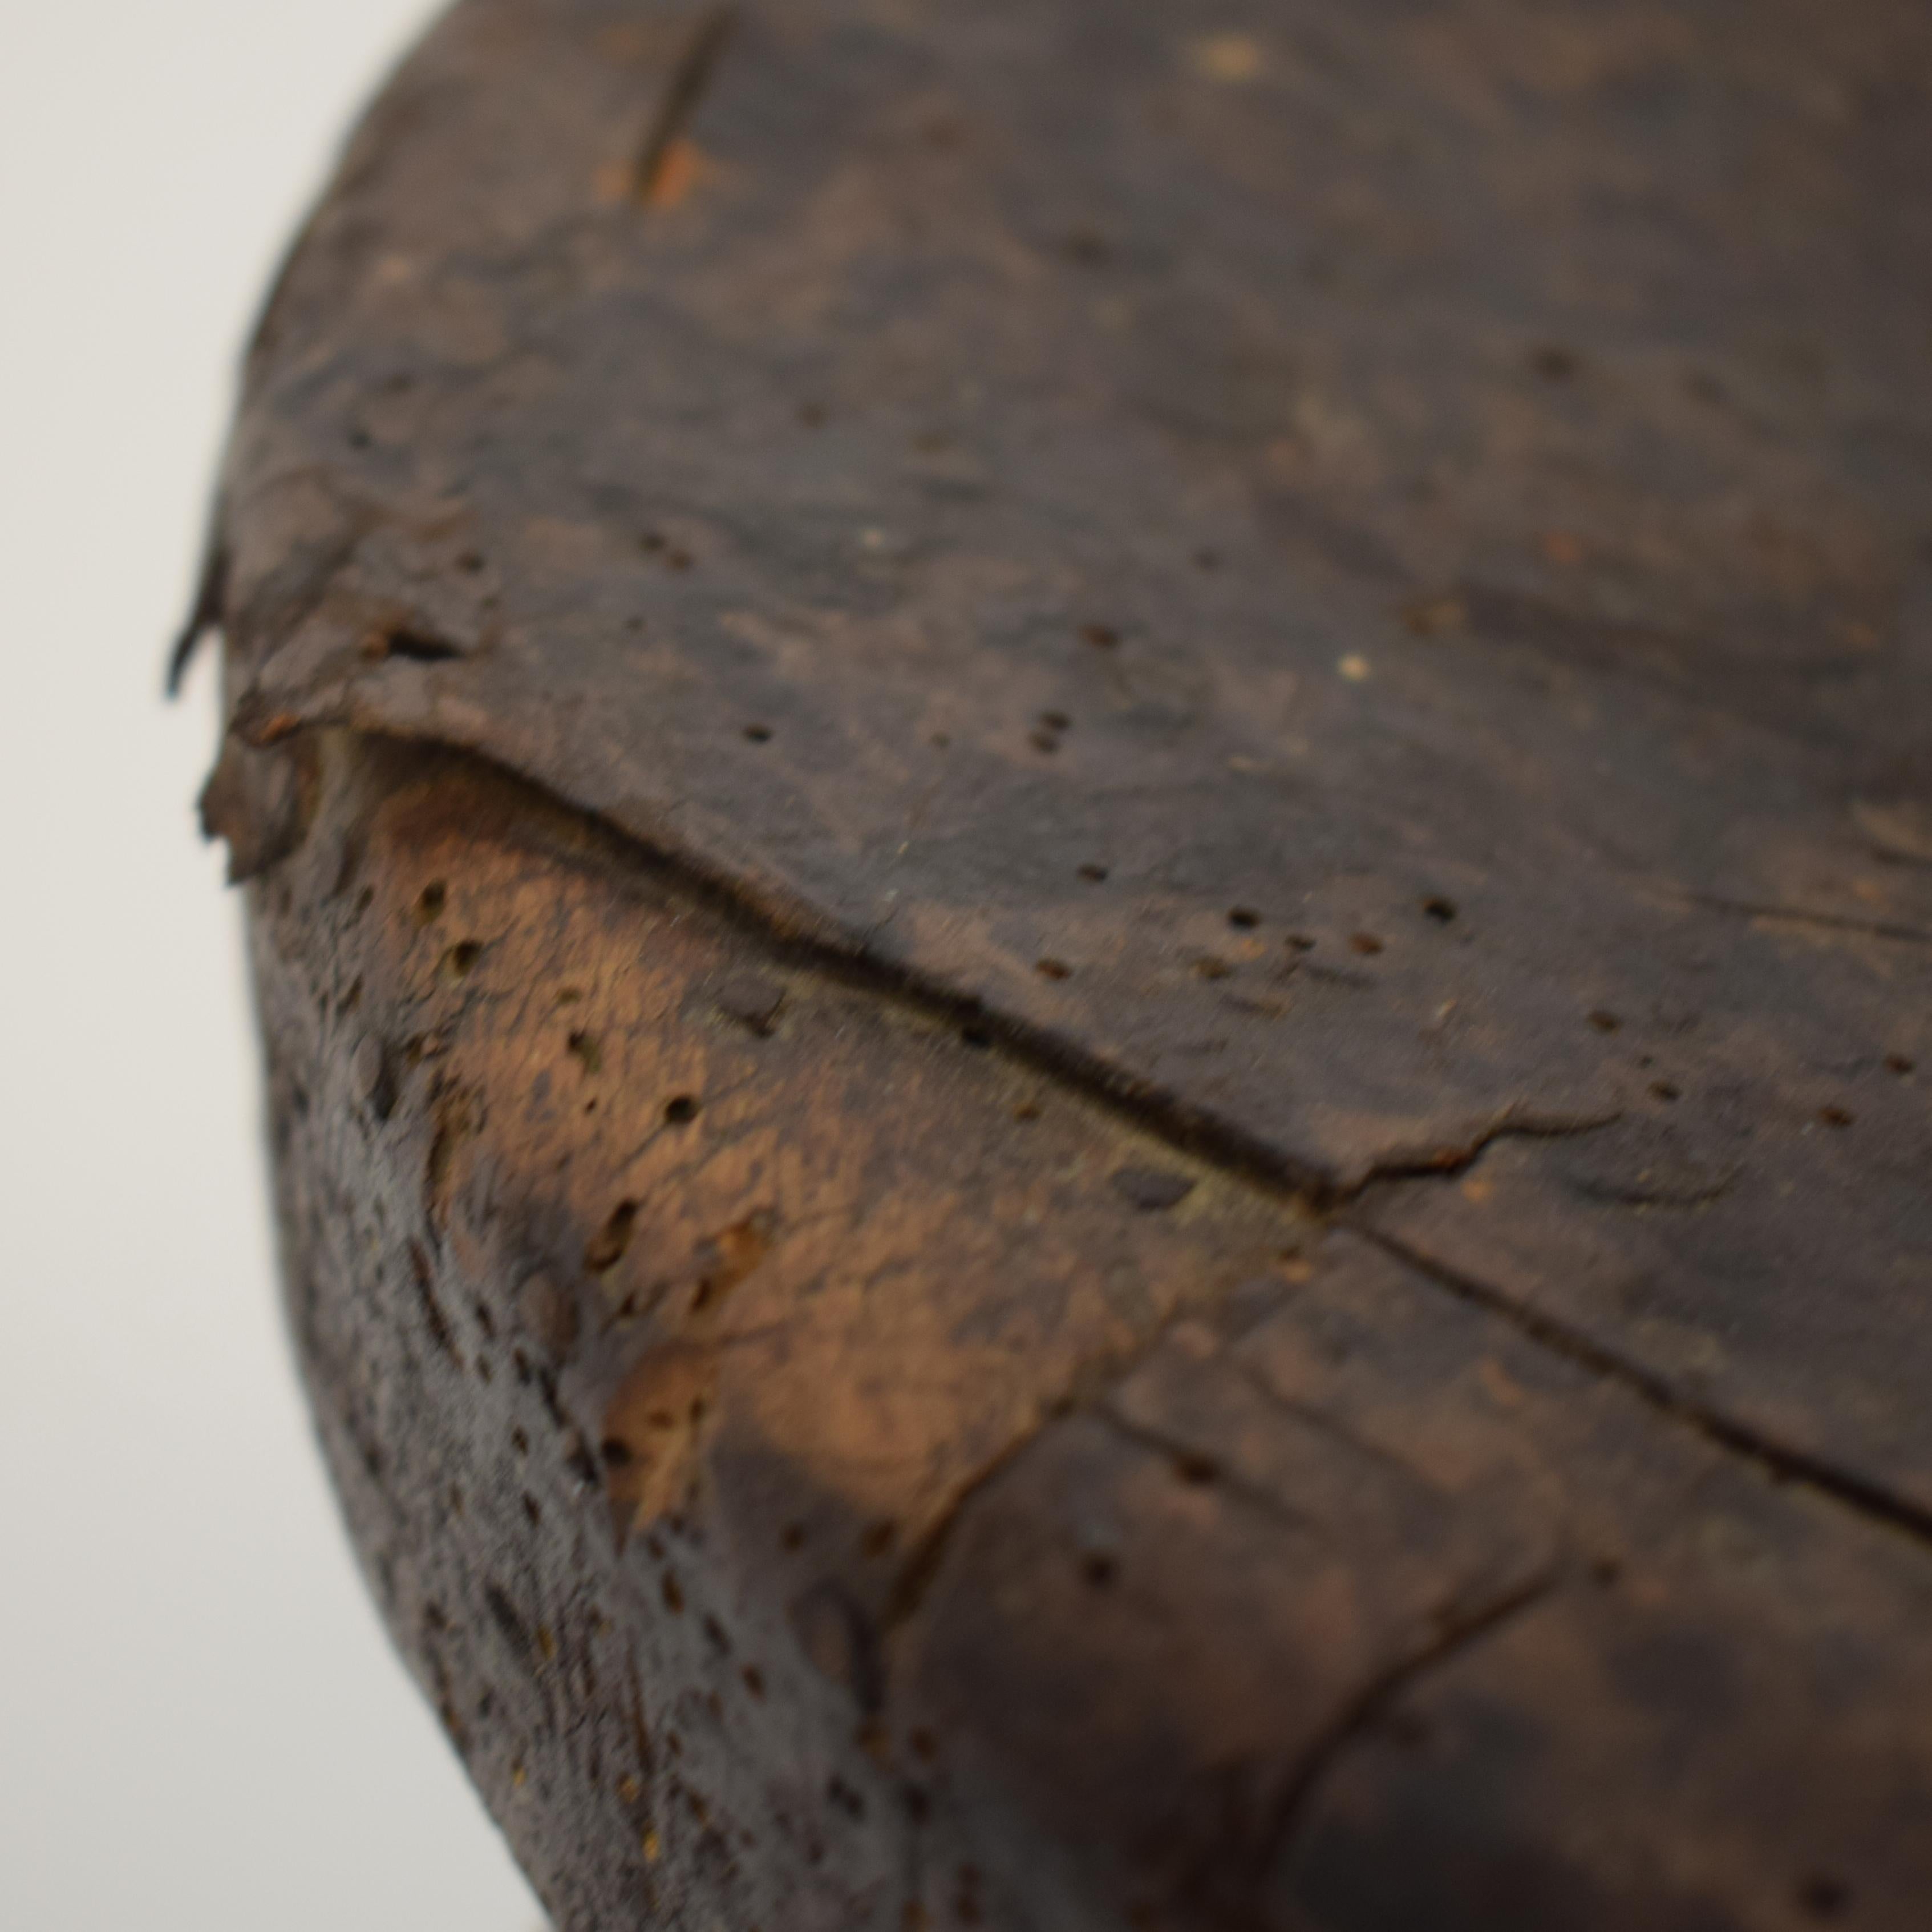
1352, 583
816, 1494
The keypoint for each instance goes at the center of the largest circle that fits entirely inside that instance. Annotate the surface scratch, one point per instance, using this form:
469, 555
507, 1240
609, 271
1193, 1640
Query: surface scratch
690, 78
1183, 1457
1896, 930
1458, 1633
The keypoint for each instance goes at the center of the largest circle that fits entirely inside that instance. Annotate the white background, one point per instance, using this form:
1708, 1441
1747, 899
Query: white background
201, 1724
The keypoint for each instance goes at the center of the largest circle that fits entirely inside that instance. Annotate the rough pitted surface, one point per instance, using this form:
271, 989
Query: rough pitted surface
1093, 876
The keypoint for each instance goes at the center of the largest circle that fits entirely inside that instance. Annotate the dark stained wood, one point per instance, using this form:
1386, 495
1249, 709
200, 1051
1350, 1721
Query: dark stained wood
1092, 867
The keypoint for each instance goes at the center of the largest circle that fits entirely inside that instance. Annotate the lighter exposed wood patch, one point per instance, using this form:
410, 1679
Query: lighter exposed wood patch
1233, 59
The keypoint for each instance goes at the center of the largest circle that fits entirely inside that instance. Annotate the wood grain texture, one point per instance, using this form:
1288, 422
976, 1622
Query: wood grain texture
1120, 816
821, 1481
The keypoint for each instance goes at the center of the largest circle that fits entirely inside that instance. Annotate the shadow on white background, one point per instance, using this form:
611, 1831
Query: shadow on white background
201, 1724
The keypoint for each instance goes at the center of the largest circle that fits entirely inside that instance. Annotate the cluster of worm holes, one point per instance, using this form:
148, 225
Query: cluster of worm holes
1821, 1895
1668, 1091
460, 959
1440, 910
1553, 363
1436, 907
540, 1641
1050, 727
609, 1244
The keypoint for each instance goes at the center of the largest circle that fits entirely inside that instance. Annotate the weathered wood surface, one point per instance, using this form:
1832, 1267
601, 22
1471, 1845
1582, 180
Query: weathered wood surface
1093, 854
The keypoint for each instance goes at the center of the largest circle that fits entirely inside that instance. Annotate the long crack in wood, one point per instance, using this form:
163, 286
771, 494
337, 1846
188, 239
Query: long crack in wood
1776, 1459
1237, 1155
1447, 1160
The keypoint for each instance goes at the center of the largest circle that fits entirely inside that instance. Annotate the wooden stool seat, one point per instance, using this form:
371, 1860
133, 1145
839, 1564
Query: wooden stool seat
1090, 863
